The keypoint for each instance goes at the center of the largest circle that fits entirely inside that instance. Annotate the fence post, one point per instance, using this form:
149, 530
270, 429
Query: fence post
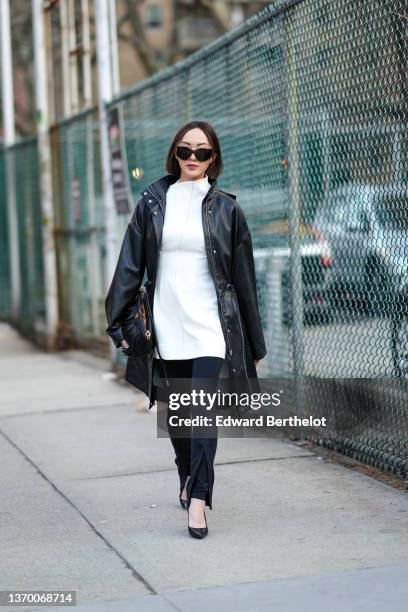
296, 282
105, 93
45, 178
113, 46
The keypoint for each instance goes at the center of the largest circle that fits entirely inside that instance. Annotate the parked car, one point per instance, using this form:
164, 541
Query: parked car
315, 260
366, 227
399, 345
399, 335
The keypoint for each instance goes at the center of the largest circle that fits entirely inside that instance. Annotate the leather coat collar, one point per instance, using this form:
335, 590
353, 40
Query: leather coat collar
160, 186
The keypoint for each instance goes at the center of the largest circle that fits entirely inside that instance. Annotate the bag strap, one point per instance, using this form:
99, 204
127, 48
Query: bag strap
154, 331
144, 312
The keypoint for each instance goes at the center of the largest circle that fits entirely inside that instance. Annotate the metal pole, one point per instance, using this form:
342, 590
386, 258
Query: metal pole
52, 112
7, 74
114, 54
105, 91
94, 254
86, 54
73, 59
296, 295
9, 140
65, 57
44, 151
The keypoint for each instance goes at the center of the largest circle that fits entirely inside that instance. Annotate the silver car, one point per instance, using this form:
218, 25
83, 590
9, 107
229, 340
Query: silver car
366, 227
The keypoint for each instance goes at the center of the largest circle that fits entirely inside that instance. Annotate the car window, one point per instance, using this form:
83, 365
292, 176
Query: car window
392, 212
343, 209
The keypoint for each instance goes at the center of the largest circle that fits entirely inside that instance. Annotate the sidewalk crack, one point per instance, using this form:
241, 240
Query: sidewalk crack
109, 545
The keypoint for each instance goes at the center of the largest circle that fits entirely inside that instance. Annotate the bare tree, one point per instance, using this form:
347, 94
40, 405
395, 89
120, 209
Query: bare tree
220, 12
22, 45
137, 38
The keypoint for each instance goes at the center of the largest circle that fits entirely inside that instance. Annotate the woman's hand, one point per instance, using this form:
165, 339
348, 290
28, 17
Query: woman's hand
124, 347
256, 362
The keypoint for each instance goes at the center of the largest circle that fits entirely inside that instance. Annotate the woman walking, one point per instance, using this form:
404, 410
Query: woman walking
193, 241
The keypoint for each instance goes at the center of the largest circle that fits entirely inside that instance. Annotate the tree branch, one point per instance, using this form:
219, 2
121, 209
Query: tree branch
139, 41
219, 12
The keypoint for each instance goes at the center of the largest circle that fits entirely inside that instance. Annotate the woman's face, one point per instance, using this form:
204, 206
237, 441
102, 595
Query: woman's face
191, 168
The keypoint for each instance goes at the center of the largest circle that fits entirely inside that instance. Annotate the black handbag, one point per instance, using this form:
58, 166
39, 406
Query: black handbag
137, 326
138, 330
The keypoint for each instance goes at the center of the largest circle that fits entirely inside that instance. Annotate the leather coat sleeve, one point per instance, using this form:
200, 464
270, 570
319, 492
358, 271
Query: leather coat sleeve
128, 275
244, 280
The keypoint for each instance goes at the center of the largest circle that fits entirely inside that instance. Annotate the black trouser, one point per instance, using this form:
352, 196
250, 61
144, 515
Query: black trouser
195, 452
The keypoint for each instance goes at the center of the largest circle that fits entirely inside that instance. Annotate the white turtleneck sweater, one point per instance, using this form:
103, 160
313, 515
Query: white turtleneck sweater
185, 309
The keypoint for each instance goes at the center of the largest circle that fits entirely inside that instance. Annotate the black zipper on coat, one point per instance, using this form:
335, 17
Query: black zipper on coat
236, 300
213, 272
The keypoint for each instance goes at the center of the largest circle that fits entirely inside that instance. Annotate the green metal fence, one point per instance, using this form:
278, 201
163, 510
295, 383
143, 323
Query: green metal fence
5, 281
309, 99
79, 231
29, 219
23, 172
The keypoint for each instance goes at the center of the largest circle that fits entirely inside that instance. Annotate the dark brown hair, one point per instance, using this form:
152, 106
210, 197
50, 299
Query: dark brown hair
215, 168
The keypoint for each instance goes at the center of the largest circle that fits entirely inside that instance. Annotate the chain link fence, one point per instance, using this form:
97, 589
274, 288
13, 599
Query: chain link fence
23, 175
347, 106
29, 224
79, 231
5, 280
309, 99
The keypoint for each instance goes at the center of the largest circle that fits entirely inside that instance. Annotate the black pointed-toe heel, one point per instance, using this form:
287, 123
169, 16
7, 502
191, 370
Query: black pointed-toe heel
199, 532
183, 502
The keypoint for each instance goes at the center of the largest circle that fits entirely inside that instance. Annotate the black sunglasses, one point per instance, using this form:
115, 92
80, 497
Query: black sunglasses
201, 154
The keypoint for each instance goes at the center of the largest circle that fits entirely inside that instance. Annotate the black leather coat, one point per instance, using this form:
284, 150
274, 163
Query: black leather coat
228, 246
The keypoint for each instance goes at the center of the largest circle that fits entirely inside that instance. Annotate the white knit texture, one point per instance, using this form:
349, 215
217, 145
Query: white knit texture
185, 309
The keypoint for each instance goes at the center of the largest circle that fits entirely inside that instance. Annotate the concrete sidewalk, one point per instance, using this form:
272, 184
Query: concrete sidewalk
89, 503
